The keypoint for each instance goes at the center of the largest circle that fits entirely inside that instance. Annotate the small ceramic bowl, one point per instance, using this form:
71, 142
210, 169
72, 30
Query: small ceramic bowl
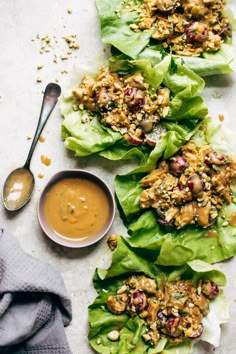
44, 210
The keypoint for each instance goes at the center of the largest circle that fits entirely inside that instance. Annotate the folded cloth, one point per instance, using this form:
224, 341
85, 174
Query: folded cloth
34, 305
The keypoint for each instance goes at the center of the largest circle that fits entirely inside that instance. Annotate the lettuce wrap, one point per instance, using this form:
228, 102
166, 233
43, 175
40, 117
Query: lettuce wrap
117, 16
127, 262
186, 110
169, 245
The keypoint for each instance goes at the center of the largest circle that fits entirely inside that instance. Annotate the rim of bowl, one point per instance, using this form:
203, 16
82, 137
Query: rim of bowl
67, 242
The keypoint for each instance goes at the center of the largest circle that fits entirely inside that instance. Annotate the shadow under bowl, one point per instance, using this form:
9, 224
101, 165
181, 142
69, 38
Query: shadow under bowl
85, 240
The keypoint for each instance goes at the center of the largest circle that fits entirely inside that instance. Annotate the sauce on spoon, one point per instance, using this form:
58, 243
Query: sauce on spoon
18, 188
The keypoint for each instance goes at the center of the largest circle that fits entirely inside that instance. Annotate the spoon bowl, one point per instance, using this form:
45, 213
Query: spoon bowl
19, 185
18, 188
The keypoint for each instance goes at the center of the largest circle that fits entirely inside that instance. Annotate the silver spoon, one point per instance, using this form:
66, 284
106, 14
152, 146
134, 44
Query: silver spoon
19, 185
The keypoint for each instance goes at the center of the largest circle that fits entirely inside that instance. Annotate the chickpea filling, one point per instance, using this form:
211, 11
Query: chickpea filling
125, 103
174, 311
190, 188
186, 27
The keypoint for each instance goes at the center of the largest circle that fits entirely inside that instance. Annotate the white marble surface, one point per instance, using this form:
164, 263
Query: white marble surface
20, 101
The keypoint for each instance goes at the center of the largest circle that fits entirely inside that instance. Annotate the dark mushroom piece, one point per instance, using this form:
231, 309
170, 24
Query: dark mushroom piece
146, 125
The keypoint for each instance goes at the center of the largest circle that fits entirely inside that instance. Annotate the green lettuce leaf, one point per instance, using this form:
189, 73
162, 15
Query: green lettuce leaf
219, 313
181, 246
209, 64
186, 111
115, 19
115, 22
125, 262
176, 247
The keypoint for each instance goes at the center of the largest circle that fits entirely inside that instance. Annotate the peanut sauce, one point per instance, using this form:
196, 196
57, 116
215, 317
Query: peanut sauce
42, 139
45, 160
232, 219
211, 234
76, 208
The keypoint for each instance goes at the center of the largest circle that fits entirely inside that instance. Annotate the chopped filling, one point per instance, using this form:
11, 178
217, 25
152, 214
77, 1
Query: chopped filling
173, 311
186, 27
125, 103
190, 188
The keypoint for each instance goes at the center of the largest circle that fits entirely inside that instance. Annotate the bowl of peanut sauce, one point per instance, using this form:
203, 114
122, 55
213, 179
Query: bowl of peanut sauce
76, 208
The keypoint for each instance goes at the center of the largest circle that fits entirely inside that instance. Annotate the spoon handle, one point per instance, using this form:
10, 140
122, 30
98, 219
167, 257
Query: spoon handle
51, 94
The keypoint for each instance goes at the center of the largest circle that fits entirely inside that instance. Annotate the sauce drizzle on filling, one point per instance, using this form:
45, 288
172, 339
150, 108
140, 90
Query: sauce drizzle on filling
232, 220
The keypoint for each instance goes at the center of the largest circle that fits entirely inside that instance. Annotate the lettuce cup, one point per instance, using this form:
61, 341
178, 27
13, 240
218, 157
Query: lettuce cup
125, 110
197, 32
184, 205
145, 308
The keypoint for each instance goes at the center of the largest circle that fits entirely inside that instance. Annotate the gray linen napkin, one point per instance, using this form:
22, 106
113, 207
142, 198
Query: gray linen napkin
34, 305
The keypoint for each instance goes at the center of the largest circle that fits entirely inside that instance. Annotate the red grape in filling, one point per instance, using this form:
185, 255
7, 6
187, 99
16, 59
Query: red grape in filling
197, 332
195, 184
172, 326
196, 32
214, 158
137, 301
210, 289
177, 164
134, 98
